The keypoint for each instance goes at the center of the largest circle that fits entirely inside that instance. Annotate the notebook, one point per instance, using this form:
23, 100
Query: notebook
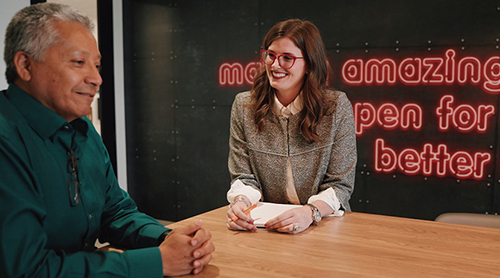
266, 211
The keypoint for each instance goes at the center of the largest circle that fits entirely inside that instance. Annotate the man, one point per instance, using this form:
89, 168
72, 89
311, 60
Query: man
58, 191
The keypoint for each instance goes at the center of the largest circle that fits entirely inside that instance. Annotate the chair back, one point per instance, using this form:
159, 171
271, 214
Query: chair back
475, 219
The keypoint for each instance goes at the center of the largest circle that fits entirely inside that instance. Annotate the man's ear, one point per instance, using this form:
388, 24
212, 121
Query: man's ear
22, 61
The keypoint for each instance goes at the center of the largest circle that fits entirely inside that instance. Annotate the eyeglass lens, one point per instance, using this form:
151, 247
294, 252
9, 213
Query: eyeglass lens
285, 61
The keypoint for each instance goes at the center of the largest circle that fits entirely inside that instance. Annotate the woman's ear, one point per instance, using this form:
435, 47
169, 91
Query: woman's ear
22, 61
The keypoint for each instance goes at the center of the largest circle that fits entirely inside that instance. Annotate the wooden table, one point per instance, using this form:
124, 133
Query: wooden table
355, 245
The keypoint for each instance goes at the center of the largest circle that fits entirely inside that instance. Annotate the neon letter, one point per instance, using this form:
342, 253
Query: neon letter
444, 112
492, 75
352, 71
385, 158
364, 116
388, 115
231, 74
381, 71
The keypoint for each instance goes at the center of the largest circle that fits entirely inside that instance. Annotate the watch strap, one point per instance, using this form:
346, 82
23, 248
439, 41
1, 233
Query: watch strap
316, 214
162, 237
239, 198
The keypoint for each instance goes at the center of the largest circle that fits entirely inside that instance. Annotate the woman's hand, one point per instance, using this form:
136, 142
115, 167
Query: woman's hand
292, 221
243, 221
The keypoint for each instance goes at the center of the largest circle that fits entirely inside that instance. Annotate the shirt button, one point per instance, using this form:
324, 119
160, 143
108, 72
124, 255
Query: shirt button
91, 216
66, 127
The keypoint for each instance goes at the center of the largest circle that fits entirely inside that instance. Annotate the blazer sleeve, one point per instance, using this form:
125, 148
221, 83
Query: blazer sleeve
342, 167
239, 163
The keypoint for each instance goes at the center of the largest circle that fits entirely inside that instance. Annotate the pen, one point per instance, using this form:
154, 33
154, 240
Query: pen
247, 210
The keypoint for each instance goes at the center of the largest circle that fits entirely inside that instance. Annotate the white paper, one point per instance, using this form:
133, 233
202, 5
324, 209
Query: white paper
266, 211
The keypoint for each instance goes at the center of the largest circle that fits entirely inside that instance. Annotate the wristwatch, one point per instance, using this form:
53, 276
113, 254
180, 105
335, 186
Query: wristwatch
316, 215
239, 198
163, 236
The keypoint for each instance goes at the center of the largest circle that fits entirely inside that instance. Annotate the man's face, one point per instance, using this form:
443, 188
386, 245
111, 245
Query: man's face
68, 78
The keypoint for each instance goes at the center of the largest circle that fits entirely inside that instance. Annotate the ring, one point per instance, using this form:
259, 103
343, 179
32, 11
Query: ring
296, 228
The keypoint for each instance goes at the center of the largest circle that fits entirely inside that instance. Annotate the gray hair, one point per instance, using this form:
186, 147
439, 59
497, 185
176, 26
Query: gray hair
32, 30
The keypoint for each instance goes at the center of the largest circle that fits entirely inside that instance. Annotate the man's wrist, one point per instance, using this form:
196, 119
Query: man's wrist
164, 235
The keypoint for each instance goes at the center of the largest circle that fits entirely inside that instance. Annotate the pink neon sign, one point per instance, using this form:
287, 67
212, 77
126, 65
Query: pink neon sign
431, 160
445, 70
387, 116
464, 117
237, 74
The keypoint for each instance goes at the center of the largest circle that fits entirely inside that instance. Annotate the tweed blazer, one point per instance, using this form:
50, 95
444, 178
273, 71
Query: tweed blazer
259, 159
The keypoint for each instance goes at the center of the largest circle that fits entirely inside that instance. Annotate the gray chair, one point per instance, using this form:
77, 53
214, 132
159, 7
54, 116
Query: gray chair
475, 219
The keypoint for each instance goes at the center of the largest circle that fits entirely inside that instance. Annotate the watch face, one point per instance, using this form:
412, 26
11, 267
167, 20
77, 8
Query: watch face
316, 214
317, 217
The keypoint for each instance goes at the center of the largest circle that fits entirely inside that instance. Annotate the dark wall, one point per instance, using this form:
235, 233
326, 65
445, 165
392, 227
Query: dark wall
178, 98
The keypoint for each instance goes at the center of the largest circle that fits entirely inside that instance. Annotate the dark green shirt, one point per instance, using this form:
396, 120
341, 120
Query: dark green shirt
41, 233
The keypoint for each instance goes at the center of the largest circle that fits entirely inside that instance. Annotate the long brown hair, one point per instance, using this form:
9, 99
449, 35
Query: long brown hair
307, 38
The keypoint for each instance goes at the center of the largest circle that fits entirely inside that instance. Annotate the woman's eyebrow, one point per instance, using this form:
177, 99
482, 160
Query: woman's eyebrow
284, 53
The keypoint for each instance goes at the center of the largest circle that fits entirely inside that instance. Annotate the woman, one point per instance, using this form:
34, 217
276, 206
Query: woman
291, 139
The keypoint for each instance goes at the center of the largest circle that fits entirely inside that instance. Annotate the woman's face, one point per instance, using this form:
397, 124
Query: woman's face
287, 82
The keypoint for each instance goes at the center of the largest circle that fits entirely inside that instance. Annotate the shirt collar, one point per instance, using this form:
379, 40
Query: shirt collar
291, 109
44, 121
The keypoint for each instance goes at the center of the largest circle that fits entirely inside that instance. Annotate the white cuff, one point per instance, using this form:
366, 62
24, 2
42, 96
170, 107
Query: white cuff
328, 196
239, 188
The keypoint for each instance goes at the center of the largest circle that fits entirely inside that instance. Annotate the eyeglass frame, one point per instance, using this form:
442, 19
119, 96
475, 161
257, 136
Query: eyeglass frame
276, 56
74, 181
